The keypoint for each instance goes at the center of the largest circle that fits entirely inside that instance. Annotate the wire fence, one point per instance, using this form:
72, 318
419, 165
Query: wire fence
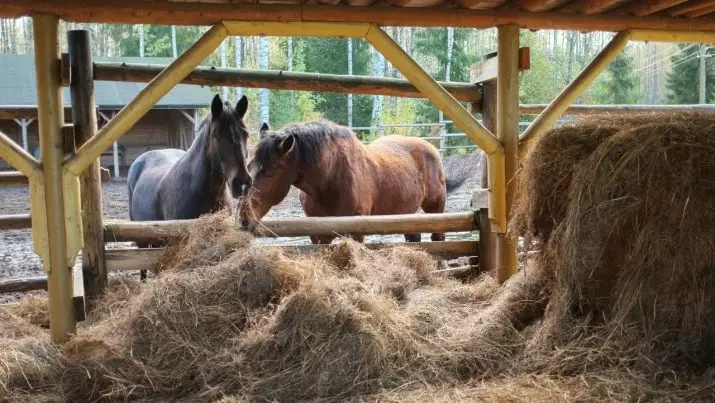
441, 134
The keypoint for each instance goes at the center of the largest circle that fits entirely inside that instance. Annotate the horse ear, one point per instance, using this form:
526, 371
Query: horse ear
263, 130
216, 106
242, 107
287, 144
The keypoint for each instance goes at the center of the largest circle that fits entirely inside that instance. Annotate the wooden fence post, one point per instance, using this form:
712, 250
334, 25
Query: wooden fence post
84, 117
487, 238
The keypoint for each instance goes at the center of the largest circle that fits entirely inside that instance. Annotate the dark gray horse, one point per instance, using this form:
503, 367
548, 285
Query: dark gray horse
174, 184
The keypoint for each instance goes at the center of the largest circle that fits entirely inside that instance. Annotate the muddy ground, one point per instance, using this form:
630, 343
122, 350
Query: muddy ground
17, 259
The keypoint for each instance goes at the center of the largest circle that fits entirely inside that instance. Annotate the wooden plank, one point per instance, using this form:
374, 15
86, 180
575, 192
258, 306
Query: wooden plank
487, 70
481, 4
15, 221
535, 109
487, 239
157, 231
480, 199
171, 13
701, 11
146, 259
282, 80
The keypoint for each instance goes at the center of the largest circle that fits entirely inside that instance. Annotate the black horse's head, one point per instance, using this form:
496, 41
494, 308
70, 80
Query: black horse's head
228, 147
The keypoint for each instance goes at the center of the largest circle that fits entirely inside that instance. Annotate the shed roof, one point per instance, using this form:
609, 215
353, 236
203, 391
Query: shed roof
17, 86
582, 15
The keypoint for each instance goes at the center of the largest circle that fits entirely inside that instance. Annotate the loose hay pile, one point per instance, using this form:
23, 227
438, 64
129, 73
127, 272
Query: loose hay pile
621, 308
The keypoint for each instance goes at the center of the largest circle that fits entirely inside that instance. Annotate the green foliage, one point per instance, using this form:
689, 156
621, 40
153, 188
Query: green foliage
683, 80
330, 56
432, 43
157, 39
618, 84
542, 82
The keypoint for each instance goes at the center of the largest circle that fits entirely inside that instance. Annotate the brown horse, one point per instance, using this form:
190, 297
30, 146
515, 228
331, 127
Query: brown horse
340, 176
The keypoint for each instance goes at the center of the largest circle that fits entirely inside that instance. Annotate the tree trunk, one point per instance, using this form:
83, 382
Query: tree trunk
350, 72
224, 63
141, 40
238, 50
378, 70
263, 65
174, 52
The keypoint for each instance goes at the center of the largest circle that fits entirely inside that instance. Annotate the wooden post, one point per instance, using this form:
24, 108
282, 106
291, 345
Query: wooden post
50, 121
85, 126
487, 238
508, 136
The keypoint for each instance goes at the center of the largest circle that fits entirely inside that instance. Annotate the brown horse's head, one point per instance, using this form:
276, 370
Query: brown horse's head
228, 144
274, 168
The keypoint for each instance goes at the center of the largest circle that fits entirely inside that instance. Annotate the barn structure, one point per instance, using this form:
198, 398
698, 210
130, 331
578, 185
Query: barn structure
65, 217
170, 123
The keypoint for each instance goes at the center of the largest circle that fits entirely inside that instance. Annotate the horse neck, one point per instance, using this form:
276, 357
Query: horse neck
335, 165
197, 161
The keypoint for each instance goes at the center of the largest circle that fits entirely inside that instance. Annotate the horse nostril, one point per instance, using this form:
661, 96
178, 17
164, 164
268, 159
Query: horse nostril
244, 189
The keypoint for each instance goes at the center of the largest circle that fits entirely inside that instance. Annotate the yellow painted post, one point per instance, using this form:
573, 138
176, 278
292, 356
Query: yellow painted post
50, 122
508, 135
572, 91
432, 90
146, 99
17, 157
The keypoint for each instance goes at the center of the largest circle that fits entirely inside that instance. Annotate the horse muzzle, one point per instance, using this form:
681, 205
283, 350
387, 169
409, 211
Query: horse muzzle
240, 187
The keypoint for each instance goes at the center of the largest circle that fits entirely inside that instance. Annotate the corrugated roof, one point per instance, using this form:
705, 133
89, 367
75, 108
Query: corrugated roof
17, 86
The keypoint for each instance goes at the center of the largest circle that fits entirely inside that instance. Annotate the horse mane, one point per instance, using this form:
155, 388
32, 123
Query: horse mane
310, 139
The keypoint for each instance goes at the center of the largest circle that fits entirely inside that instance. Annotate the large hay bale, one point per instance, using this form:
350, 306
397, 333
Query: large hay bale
636, 250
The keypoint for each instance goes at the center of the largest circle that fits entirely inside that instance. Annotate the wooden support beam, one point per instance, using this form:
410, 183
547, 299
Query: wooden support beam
146, 99
15, 221
488, 69
701, 12
654, 35
508, 135
50, 122
17, 157
93, 273
78, 300
282, 80
574, 89
158, 231
488, 245
18, 178
187, 13
23, 284
535, 109
146, 259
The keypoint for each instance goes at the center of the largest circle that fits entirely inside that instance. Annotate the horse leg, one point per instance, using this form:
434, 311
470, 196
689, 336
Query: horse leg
435, 204
413, 237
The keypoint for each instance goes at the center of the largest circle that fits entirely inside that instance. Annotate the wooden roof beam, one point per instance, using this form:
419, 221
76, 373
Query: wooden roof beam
598, 6
690, 6
541, 5
701, 12
125, 11
647, 7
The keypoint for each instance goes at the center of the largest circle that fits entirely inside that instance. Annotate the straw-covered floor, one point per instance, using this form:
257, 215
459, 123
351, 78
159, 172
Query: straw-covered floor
617, 305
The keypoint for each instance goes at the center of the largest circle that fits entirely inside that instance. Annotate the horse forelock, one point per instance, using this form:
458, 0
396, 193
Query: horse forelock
310, 139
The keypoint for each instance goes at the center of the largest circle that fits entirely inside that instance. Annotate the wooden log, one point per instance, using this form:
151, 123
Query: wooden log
15, 221
17, 178
94, 273
535, 109
10, 112
188, 13
23, 284
282, 80
78, 301
146, 259
157, 231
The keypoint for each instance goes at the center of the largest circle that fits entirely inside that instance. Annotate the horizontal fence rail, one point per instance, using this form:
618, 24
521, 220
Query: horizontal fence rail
283, 80
146, 259
158, 231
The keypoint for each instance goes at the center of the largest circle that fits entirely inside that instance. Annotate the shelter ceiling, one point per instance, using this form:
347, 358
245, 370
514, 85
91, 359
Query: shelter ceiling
581, 15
